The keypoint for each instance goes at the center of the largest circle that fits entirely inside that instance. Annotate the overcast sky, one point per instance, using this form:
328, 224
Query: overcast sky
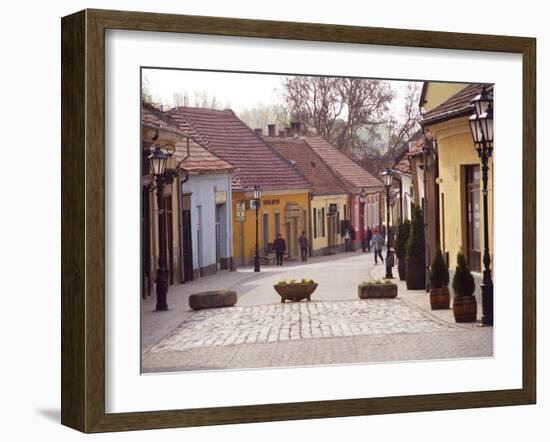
235, 90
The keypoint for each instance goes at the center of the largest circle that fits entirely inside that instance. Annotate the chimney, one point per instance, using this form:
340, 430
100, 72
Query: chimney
297, 126
282, 133
271, 130
259, 131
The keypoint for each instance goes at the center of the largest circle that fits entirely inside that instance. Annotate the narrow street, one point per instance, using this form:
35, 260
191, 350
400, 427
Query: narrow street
336, 327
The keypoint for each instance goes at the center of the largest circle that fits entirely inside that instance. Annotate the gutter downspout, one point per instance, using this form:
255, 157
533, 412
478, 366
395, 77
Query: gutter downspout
181, 181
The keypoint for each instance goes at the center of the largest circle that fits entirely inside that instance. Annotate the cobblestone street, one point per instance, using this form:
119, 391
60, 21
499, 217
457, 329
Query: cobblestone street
335, 328
304, 320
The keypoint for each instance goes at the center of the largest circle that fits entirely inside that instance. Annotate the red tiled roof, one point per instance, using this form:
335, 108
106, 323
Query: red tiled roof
300, 154
402, 162
233, 141
200, 159
456, 106
343, 166
157, 119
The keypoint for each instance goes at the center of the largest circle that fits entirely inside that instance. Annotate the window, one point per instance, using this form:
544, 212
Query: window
322, 222
277, 223
315, 223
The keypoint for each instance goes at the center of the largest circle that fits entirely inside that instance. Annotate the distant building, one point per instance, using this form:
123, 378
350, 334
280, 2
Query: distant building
403, 192
329, 196
285, 197
355, 179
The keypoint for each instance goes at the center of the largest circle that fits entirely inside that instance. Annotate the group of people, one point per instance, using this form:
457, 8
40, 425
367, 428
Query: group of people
279, 246
372, 238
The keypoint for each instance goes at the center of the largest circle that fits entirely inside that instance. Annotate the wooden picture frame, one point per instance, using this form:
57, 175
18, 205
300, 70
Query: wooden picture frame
83, 220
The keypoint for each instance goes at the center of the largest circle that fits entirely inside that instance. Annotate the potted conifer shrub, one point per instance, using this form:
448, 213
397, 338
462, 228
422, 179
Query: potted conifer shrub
415, 254
464, 303
439, 283
401, 248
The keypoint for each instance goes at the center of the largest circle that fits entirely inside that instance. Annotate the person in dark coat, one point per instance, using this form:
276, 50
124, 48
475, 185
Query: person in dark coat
369, 237
352, 237
304, 245
279, 245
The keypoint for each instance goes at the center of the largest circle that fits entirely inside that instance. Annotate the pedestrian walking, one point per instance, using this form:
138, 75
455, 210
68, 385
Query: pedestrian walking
347, 237
279, 245
377, 242
352, 237
304, 245
369, 238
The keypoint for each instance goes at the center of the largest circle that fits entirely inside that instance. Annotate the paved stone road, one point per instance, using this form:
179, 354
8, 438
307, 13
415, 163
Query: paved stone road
294, 321
335, 328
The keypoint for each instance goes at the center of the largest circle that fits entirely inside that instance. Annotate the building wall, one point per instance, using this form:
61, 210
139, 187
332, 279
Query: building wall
244, 232
456, 150
319, 241
437, 93
203, 221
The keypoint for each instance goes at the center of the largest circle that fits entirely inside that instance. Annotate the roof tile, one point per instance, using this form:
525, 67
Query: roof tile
343, 166
233, 141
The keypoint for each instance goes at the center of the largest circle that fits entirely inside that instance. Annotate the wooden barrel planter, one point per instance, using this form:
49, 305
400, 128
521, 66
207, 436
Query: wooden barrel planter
440, 298
295, 292
416, 275
369, 291
465, 308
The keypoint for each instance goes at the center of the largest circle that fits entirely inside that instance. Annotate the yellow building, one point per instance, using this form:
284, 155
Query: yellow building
285, 213
459, 178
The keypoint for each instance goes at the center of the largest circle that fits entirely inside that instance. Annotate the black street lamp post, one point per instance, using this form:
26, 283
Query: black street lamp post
157, 162
257, 197
481, 126
387, 177
362, 201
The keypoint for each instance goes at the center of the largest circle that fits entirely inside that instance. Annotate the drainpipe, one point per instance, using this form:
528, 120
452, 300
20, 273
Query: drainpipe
425, 151
181, 180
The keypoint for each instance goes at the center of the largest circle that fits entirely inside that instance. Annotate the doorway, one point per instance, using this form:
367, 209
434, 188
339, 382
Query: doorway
473, 217
187, 238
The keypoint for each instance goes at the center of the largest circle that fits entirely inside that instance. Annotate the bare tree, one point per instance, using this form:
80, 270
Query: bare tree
337, 109
261, 115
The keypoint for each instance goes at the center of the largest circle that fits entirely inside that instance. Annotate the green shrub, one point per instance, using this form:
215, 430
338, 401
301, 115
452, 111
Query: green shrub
415, 243
401, 240
439, 273
282, 281
463, 281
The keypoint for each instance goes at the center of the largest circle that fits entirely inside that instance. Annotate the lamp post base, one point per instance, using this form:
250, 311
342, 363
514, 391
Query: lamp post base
487, 303
162, 291
256, 263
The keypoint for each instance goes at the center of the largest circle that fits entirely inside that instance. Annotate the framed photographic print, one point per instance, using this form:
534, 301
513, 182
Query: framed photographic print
268, 221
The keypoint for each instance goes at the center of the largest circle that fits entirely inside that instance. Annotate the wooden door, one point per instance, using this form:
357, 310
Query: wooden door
187, 239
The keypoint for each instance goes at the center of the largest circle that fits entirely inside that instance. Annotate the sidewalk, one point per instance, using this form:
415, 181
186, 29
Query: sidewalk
421, 298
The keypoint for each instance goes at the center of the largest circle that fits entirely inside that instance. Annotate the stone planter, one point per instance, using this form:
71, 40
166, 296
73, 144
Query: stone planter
402, 269
295, 292
416, 276
440, 299
368, 291
212, 299
465, 308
